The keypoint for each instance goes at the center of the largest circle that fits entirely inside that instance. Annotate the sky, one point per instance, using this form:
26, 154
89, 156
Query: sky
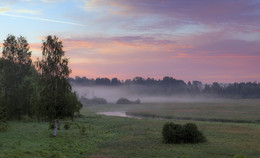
205, 40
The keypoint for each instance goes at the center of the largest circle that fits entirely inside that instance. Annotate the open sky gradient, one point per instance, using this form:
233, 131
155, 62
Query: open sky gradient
206, 40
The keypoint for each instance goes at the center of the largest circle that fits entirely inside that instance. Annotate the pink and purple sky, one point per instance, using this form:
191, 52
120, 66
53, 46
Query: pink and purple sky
206, 40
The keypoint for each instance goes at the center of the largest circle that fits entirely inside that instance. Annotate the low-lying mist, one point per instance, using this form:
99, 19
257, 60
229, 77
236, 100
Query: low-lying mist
113, 93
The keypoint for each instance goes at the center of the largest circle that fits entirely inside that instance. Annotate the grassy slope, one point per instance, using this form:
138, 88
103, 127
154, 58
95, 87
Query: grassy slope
125, 137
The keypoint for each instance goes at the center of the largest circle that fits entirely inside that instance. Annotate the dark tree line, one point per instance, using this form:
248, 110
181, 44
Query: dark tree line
170, 86
36, 91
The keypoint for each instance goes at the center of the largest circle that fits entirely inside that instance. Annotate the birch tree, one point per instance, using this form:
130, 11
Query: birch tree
56, 97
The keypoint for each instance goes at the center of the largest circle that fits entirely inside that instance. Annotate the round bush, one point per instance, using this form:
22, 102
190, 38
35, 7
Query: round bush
172, 133
127, 101
123, 101
176, 133
191, 134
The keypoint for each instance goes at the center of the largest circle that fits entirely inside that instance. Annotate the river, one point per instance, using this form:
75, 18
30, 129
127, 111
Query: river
118, 114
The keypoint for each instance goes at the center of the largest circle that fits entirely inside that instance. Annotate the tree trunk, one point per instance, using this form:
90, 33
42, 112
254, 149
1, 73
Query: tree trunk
56, 127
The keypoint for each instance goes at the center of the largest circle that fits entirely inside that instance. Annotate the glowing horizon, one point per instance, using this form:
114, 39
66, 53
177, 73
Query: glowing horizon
189, 40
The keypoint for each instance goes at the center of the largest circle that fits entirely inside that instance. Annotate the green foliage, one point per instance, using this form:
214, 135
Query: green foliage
57, 99
16, 50
176, 133
15, 65
172, 133
191, 134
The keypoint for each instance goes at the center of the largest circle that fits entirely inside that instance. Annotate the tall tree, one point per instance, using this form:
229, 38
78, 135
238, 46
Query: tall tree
16, 64
57, 99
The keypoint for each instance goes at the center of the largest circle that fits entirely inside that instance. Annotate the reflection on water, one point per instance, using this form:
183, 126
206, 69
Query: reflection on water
117, 113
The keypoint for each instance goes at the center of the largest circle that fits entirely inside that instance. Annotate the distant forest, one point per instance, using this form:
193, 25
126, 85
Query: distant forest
171, 86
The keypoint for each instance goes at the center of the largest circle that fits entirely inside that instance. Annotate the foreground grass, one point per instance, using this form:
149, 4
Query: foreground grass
125, 137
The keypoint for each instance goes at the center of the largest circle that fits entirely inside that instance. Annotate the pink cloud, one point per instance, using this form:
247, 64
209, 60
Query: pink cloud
127, 57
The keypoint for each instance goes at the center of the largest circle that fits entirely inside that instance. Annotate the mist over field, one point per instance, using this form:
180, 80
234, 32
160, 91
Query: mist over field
113, 93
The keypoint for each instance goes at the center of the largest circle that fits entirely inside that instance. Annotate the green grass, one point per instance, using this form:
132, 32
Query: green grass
126, 137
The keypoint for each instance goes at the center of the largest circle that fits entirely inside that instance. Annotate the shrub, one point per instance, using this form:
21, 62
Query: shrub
176, 133
67, 125
127, 101
97, 100
94, 101
172, 133
191, 134
123, 101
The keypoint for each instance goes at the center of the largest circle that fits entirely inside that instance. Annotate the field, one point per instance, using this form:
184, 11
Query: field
222, 110
101, 136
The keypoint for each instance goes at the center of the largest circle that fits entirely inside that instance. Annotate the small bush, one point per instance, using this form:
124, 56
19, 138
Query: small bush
94, 101
188, 133
97, 100
127, 101
67, 125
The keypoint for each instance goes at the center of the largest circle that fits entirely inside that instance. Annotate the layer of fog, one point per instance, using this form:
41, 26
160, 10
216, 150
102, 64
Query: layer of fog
113, 93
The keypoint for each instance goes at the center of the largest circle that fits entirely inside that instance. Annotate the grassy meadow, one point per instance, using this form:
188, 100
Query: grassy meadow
98, 136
